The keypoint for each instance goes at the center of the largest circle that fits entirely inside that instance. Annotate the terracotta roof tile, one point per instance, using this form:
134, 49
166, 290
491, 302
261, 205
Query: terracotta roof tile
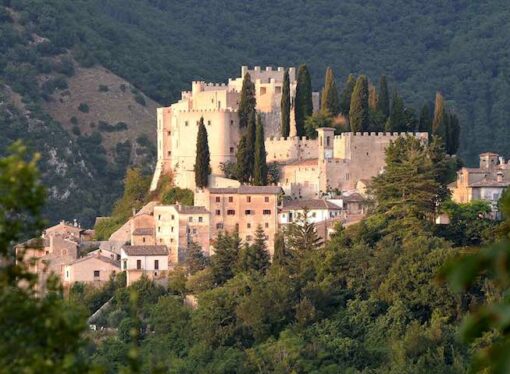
313, 204
146, 250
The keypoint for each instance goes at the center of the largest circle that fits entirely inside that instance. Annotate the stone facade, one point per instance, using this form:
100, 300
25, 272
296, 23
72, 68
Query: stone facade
93, 269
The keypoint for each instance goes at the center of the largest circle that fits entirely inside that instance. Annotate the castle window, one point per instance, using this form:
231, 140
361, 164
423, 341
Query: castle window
186, 123
208, 123
160, 240
266, 225
173, 217
327, 141
219, 226
159, 217
169, 153
263, 90
194, 231
218, 212
231, 122
266, 199
247, 212
266, 212
217, 199
96, 273
172, 229
248, 199
231, 149
230, 199
367, 153
138, 264
159, 229
169, 133
200, 219
231, 212
156, 264
143, 239
248, 226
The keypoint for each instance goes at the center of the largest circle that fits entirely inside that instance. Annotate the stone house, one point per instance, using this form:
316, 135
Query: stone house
149, 260
319, 210
93, 269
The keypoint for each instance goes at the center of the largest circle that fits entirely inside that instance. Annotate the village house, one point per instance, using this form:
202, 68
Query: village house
242, 209
148, 260
92, 269
487, 182
318, 210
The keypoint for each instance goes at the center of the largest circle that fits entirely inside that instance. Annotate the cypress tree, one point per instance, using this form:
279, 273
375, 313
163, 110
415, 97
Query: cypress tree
439, 123
330, 101
250, 142
345, 98
248, 101
242, 165
203, 157
453, 134
372, 97
397, 120
359, 117
281, 256
285, 105
260, 165
383, 102
425, 124
303, 105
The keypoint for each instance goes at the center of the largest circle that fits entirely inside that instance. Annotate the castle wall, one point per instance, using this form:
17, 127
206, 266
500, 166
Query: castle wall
290, 149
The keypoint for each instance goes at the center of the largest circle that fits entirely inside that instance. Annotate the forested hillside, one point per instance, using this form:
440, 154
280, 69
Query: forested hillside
457, 47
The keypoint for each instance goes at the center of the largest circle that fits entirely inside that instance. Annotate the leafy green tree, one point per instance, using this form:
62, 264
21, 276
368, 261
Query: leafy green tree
247, 102
226, 254
195, 259
243, 170
136, 186
203, 157
330, 101
285, 105
318, 119
260, 165
255, 257
303, 106
383, 102
39, 333
359, 118
397, 119
426, 116
345, 98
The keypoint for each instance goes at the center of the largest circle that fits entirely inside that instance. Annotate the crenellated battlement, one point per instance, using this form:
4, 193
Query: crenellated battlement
380, 134
225, 110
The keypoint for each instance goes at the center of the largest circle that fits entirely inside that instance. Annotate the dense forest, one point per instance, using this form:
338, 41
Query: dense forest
386, 295
459, 48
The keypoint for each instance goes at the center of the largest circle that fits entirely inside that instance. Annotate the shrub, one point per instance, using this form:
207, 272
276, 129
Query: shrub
76, 131
103, 88
74, 120
84, 107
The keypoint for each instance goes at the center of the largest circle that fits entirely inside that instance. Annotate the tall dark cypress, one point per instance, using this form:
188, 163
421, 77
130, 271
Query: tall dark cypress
247, 102
285, 105
203, 157
453, 134
330, 101
383, 102
439, 123
303, 105
425, 124
359, 116
260, 165
345, 98
397, 119
243, 170
250, 142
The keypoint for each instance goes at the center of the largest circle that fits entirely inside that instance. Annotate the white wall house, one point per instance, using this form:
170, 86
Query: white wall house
318, 210
138, 260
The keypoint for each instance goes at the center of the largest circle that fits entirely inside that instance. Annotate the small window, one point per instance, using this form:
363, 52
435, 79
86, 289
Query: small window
169, 133
159, 229
96, 273
190, 219
194, 231
230, 199
231, 122
219, 226
160, 240
231, 149
173, 217
186, 123
200, 219
143, 239
247, 212
313, 214
67, 273
218, 212
159, 217
248, 199
169, 153
266, 199
231, 212
172, 229
138, 264
267, 212
248, 238
124, 264
218, 199
248, 226
266, 225
208, 123
156, 264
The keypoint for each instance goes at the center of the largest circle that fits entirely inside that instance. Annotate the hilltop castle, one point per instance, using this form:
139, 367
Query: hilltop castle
308, 168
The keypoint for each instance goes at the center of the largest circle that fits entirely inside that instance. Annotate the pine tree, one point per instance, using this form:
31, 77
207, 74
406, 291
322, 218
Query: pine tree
243, 170
359, 117
226, 256
425, 124
383, 102
302, 236
345, 98
251, 134
303, 105
285, 105
396, 120
203, 158
260, 165
247, 102
439, 123
255, 257
330, 101
195, 259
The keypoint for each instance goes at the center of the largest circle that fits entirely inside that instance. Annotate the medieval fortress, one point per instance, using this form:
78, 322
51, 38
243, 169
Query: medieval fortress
308, 168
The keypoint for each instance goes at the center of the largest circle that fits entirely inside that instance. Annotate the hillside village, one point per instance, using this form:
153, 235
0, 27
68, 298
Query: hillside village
324, 180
